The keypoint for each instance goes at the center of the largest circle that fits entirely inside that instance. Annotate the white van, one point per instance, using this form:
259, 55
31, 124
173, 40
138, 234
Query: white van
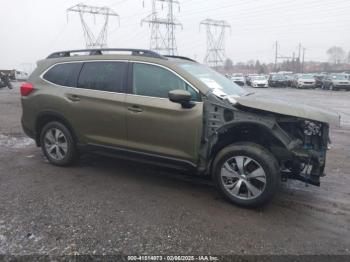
21, 75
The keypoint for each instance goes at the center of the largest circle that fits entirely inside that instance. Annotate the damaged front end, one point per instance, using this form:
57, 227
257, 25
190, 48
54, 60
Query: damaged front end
306, 158
298, 143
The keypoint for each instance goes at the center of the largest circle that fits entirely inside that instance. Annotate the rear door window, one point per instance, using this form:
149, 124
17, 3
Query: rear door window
103, 76
64, 74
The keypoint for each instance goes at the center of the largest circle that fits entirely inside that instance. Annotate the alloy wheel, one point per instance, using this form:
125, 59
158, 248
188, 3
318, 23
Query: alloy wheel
243, 177
55, 143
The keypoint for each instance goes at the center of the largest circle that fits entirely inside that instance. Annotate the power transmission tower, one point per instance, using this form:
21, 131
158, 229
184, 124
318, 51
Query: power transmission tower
90, 38
277, 56
163, 38
215, 41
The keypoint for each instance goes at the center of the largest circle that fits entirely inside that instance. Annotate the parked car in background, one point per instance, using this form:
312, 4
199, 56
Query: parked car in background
304, 81
277, 80
238, 79
289, 79
319, 80
259, 81
336, 82
248, 79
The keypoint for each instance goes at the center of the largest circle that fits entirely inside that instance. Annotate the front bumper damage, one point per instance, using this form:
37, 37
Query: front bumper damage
311, 168
307, 154
297, 136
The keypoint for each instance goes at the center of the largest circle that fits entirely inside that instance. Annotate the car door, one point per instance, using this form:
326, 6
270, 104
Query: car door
96, 107
154, 123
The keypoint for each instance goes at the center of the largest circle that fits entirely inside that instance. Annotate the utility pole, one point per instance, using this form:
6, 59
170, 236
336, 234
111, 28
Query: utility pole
299, 60
215, 41
91, 41
302, 63
163, 38
276, 55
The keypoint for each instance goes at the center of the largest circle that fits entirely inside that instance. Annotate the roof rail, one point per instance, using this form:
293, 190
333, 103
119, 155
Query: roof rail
99, 51
181, 57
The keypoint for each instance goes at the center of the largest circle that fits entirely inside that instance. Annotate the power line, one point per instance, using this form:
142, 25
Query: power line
264, 8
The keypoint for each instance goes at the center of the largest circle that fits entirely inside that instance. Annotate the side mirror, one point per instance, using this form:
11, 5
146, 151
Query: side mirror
182, 97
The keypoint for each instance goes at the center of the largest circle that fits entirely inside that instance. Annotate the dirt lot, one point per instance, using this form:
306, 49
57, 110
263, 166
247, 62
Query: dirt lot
108, 206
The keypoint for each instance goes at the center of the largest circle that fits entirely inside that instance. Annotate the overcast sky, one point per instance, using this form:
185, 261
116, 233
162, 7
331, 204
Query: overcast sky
30, 30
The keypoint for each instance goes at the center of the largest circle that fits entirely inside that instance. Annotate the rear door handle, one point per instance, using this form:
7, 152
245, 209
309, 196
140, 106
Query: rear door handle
73, 98
135, 109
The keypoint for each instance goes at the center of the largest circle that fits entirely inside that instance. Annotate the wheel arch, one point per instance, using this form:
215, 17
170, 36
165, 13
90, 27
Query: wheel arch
50, 116
248, 132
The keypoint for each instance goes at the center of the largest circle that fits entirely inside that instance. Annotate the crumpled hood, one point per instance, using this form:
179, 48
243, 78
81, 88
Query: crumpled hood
284, 107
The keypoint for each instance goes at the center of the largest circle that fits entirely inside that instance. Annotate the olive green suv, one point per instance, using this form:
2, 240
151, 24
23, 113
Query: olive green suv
174, 112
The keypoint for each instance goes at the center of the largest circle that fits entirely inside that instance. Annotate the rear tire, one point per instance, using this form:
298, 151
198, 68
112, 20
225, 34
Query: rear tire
57, 144
246, 174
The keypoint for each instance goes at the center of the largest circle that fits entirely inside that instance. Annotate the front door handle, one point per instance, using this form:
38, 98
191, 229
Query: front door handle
135, 109
73, 98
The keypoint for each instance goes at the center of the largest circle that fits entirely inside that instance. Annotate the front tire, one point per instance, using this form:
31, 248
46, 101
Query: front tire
58, 144
246, 174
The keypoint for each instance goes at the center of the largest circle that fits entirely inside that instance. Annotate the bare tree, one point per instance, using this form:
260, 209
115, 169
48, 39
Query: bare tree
336, 54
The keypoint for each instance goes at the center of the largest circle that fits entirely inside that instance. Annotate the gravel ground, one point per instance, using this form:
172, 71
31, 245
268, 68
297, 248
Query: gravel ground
108, 206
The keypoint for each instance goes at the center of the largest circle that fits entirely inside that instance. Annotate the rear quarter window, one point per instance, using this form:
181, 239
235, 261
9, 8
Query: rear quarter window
64, 74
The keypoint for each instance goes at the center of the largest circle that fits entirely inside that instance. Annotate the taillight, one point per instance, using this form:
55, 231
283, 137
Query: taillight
26, 89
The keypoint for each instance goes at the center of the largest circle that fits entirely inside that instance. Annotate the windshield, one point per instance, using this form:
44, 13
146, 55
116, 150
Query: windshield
218, 83
278, 77
307, 77
339, 77
258, 78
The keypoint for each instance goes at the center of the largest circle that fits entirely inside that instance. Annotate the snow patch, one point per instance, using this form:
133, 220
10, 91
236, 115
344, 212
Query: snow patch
15, 142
